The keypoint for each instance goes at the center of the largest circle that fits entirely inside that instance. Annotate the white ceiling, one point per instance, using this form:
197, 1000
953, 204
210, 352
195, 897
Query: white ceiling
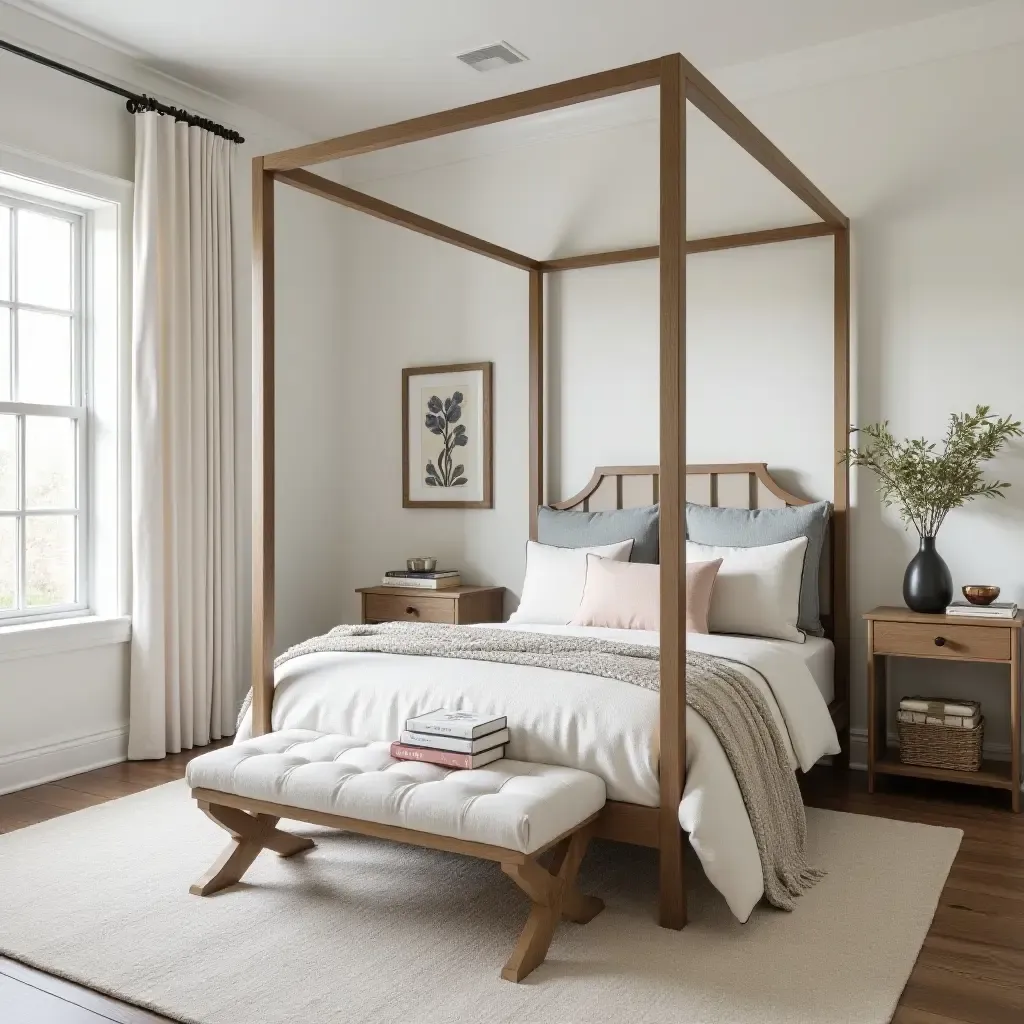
332, 66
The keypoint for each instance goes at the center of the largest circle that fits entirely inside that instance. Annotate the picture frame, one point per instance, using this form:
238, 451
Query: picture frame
447, 437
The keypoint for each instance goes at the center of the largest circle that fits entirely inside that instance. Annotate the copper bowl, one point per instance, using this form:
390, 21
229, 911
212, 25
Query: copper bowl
981, 595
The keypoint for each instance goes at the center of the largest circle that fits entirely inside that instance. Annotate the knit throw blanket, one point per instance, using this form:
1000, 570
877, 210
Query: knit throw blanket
725, 698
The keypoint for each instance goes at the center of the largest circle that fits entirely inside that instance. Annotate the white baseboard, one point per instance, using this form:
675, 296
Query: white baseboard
36, 765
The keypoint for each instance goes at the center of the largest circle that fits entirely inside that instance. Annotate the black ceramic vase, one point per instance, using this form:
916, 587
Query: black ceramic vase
927, 584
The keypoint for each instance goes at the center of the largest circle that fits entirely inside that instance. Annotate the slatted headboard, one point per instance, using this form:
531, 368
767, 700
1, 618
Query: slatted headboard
726, 485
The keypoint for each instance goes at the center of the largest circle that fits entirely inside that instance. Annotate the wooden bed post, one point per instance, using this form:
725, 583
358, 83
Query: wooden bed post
841, 488
536, 396
262, 446
672, 365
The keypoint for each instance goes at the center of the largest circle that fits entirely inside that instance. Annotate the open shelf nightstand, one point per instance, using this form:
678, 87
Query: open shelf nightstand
906, 634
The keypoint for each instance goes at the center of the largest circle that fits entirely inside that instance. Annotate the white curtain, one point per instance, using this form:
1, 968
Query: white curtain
184, 653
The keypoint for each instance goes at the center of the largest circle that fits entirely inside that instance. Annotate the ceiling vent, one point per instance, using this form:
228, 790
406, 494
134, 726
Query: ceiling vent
487, 58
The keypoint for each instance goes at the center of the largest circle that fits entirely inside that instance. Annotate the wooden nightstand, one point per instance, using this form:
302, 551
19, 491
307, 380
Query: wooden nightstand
907, 634
460, 605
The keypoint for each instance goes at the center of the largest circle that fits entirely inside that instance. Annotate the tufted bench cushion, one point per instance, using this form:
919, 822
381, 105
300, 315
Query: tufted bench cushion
510, 804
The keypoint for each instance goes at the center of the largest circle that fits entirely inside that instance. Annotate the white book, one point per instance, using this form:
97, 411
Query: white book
453, 743
443, 583
920, 718
461, 724
932, 706
999, 610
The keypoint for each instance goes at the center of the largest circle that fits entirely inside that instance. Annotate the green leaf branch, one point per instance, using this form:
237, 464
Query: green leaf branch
926, 482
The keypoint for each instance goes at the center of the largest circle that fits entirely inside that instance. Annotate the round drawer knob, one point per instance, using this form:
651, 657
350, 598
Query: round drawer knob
940, 641
415, 611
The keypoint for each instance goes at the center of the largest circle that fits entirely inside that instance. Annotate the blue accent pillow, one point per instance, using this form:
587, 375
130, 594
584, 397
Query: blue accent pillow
749, 528
574, 529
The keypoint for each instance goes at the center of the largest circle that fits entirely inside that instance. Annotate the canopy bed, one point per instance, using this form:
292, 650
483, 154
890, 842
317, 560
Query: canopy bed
655, 823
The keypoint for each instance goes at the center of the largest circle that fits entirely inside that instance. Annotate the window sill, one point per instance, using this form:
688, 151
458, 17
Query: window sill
35, 639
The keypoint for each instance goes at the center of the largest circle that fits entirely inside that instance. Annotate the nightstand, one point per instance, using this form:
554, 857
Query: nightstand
461, 605
902, 633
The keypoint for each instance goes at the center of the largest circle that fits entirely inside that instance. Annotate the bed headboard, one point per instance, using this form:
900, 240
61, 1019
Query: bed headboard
725, 485
722, 485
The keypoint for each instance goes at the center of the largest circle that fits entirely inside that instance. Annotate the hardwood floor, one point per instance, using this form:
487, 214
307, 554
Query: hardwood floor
971, 969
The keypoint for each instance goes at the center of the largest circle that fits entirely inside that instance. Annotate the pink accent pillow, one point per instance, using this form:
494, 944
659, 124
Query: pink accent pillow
627, 595
700, 582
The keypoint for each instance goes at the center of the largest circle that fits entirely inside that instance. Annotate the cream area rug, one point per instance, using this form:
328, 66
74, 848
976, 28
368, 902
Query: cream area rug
360, 929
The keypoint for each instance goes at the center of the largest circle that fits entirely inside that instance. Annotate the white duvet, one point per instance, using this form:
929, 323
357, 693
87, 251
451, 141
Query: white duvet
600, 725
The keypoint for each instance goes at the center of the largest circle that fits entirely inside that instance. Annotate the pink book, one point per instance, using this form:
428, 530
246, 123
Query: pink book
445, 758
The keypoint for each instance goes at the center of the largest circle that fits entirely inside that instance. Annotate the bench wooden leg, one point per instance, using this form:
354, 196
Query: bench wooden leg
250, 834
554, 895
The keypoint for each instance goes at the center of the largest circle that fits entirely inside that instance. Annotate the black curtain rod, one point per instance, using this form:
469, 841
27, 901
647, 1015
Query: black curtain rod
136, 103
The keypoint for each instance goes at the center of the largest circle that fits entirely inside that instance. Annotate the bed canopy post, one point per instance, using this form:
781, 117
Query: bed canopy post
672, 369
262, 446
841, 487
537, 488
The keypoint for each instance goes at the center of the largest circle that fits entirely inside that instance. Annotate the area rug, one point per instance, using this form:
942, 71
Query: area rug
365, 930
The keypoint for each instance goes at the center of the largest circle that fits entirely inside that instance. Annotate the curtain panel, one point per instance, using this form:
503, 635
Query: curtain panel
184, 653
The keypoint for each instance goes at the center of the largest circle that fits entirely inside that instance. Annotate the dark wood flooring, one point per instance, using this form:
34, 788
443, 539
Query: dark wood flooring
971, 969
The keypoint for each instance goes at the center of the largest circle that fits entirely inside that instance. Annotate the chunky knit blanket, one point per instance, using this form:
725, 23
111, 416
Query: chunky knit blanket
725, 698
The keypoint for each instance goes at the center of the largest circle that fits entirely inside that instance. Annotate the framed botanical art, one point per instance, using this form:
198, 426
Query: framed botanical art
446, 436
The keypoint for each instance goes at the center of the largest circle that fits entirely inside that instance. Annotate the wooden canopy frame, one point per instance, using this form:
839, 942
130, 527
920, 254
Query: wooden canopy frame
678, 82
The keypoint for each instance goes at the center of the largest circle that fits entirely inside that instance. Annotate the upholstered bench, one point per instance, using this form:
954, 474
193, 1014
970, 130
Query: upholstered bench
511, 812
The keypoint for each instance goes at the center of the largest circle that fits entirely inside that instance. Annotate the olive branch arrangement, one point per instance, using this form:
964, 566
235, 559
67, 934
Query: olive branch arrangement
439, 419
925, 482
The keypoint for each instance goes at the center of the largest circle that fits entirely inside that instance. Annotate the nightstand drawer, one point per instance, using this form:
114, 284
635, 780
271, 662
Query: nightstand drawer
915, 639
400, 608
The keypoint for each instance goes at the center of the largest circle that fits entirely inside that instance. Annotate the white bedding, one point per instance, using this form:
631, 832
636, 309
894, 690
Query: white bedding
603, 726
819, 655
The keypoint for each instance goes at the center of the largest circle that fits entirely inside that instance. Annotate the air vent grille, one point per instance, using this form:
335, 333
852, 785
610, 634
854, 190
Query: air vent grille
487, 58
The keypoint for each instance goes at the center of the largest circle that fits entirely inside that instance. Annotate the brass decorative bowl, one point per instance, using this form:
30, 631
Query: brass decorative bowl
978, 594
424, 564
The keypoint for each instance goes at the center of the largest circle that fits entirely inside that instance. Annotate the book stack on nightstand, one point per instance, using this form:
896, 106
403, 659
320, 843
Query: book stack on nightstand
992, 639
437, 579
452, 739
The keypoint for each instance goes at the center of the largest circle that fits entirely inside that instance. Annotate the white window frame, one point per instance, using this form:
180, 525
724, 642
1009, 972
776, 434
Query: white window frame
103, 599
76, 411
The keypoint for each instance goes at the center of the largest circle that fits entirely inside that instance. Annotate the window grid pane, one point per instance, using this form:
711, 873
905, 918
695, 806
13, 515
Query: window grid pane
41, 518
45, 260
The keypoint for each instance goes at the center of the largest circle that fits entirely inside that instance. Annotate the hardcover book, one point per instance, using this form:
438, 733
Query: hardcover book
445, 758
435, 574
453, 743
461, 724
939, 707
920, 718
997, 610
444, 583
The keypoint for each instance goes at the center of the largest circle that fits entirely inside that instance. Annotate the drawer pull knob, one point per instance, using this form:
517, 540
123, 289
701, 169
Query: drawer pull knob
415, 611
940, 641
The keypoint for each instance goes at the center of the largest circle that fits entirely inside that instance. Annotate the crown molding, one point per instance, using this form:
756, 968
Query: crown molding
987, 26
62, 39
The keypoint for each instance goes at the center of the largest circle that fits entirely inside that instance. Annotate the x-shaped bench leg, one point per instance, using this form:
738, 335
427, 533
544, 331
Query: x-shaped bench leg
554, 895
249, 835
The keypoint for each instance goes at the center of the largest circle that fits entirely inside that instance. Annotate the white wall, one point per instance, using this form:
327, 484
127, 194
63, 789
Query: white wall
67, 711
925, 159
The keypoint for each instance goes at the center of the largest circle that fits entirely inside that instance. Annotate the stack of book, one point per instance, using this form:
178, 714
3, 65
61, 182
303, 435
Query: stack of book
440, 579
454, 739
960, 714
996, 610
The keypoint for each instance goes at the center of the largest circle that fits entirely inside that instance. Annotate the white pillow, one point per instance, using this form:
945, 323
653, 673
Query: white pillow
555, 578
757, 591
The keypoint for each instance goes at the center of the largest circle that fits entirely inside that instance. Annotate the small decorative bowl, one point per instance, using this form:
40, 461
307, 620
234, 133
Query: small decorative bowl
430, 564
978, 594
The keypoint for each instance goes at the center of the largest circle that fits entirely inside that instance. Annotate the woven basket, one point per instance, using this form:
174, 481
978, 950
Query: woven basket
941, 746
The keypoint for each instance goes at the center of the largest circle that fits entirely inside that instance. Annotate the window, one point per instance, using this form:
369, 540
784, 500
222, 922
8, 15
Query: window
43, 420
